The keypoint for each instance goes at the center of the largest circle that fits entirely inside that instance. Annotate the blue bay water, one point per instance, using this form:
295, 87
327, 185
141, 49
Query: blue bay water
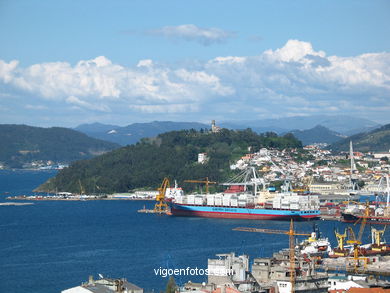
51, 246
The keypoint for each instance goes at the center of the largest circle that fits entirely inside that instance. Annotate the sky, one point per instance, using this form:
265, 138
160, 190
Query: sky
64, 63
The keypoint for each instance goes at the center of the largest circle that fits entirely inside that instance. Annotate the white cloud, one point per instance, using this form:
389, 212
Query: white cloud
171, 108
36, 107
293, 50
287, 81
145, 63
89, 106
191, 32
6, 70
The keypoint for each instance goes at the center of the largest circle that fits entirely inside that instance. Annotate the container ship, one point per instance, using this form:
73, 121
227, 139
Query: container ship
372, 219
246, 200
377, 213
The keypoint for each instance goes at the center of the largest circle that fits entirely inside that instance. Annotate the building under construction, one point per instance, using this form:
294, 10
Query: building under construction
273, 274
232, 273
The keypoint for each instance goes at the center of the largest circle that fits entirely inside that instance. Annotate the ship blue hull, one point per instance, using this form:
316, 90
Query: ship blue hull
241, 212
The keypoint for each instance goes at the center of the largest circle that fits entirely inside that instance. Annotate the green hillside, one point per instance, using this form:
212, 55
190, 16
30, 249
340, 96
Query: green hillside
20, 144
172, 154
375, 140
318, 134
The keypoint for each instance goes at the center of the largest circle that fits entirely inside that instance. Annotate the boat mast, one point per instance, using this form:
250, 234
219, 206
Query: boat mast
352, 180
387, 190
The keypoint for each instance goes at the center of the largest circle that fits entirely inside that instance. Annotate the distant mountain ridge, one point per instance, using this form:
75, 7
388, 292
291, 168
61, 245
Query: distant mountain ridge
21, 144
133, 133
377, 140
317, 134
95, 127
342, 124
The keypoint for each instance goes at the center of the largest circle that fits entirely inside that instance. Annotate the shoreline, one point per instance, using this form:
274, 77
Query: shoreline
15, 203
75, 198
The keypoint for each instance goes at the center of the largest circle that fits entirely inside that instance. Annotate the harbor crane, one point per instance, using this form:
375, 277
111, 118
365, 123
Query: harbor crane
356, 250
161, 206
356, 241
377, 236
291, 233
207, 182
363, 221
340, 239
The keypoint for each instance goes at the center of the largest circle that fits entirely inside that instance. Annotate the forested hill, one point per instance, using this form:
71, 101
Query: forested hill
374, 141
172, 154
21, 144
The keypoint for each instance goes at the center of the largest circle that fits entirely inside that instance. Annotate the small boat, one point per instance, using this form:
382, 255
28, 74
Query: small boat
315, 244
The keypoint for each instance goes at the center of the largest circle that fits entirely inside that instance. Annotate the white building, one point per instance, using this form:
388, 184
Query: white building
105, 285
202, 158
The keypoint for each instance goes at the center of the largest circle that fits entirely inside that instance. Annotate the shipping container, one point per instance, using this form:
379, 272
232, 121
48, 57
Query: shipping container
218, 201
233, 202
243, 196
199, 200
210, 201
226, 202
190, 199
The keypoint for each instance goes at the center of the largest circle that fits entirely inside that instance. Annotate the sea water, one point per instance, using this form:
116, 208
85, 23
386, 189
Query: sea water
55, 245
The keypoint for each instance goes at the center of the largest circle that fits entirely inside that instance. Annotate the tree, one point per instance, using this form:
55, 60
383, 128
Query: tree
171, 285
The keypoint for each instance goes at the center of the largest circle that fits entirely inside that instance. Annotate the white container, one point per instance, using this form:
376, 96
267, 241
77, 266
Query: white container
243, 196
190, 199
210, 196
241, 203
218, 199
276, 201
233, 202
210, 201
226, 202
227, 196
250, 200
199, 200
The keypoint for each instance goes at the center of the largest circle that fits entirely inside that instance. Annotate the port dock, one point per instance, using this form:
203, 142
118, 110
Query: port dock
375, 265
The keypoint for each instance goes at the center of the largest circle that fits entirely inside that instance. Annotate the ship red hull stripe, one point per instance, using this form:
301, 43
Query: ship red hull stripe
176, 212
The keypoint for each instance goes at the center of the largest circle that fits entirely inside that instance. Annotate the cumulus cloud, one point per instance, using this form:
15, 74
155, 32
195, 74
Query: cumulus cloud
75, 101
6, 70
191, 32
293, 80
171, 108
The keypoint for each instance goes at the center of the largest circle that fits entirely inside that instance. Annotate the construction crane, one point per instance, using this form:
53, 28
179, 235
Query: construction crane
161, 206
291, 233
207, 182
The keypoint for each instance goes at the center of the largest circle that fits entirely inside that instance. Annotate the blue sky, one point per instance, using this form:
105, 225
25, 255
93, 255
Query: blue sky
70, 62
